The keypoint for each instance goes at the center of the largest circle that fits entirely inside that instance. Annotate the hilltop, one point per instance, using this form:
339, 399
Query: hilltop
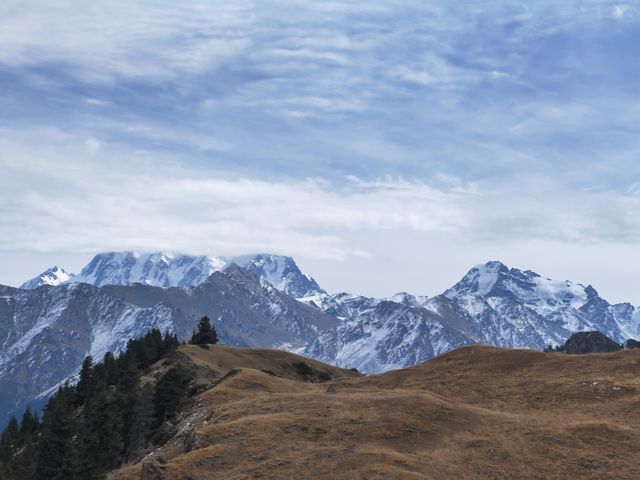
476, 412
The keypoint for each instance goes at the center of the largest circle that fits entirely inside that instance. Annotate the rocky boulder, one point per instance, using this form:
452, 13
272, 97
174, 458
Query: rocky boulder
590, 342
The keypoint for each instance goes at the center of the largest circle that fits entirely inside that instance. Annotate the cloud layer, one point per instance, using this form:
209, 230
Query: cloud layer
336, 130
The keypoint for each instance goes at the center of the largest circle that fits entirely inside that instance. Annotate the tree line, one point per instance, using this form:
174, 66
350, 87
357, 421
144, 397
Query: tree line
109, 417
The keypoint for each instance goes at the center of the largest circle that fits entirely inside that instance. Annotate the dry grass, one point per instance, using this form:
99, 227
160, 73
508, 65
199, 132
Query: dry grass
477, 412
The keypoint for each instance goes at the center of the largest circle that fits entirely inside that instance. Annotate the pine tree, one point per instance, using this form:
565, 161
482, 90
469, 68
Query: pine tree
169, 342
206, 334
169, 392
30, 423
100, 442
58, 429
86, 383
111, 368
141, 425
11, 433
9, 445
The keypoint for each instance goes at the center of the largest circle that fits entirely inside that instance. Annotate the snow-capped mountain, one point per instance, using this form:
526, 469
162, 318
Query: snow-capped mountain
281, 272
171, 270
53, 276
491, 304
157, 269
266, 301
524, 309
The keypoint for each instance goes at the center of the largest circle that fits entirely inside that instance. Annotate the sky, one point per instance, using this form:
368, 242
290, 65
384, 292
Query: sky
386, 145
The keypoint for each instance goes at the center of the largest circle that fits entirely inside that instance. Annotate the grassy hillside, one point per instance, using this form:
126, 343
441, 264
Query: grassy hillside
476, 412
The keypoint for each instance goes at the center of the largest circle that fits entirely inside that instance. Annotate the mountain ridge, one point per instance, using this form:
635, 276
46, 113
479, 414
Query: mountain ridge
491, 304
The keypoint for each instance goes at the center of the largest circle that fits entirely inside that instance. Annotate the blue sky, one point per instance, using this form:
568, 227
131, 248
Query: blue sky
386, 145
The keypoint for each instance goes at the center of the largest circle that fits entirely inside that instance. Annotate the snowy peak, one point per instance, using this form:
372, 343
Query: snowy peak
281, 272
163, 269
53, 276
496, 280
409, 300
479, 280
160, 269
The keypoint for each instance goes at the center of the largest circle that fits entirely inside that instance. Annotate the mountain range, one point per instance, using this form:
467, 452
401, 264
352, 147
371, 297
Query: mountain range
53, 321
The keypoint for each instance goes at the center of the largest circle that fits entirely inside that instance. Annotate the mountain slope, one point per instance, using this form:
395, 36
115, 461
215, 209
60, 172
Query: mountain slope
281, 272
48, 331
467, 414
379, 335
518, 308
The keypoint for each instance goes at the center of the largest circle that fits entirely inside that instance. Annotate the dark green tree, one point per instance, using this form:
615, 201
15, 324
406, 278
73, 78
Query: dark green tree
86, 383
9, 442
141, 424
100, 440
206, 334
169, 342
30, 423
169, 392
58, 429
112, 370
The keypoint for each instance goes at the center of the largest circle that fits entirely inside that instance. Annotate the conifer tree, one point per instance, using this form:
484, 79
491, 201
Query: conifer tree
169, 392
141, 425
101, 445
30, 423
58, 430
206, 334
111, 368
86, 382
9, 444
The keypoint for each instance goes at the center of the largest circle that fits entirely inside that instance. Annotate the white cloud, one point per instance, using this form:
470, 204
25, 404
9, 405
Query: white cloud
105, 41
188, 126
124, 202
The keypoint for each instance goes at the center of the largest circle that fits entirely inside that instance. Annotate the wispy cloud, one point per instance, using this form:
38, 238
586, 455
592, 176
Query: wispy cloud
316, 128
106, 202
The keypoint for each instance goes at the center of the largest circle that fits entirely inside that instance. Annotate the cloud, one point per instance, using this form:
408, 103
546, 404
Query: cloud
324, 129
81, 203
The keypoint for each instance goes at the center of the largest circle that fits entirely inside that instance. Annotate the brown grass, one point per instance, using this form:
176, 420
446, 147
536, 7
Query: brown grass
476, 412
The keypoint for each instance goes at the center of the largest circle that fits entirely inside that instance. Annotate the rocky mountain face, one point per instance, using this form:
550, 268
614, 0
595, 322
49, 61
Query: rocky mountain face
281, 272
379, 335
590, 342
523, 309
245, 310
